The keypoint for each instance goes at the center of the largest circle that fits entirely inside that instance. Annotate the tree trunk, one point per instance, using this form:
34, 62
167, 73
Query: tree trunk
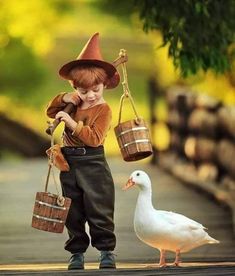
176, 121
175, 92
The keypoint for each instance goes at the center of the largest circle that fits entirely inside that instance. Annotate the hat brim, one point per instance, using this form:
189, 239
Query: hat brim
113, 75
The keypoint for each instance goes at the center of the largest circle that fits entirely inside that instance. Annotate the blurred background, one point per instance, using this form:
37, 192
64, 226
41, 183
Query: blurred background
37, 37
182, 79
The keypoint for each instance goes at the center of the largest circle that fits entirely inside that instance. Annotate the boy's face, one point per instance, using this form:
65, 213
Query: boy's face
92, 95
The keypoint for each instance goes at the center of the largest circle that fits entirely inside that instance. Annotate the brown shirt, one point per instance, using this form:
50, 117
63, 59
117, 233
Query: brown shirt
92, 123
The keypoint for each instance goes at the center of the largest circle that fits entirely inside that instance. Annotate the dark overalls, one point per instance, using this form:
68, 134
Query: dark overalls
89, 184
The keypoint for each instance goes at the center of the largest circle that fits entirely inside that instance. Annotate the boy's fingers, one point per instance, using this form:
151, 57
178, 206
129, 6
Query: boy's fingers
75, 99
59, 115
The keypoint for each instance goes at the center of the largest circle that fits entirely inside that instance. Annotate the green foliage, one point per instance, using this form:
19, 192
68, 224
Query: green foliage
34, 21
122, 9
21, 72
27, 32
198, 32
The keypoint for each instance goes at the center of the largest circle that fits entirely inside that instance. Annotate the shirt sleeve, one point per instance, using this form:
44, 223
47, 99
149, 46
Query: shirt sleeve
55, 105
95, 134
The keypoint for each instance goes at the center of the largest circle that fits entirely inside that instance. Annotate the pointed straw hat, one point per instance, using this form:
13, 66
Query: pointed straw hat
91, 55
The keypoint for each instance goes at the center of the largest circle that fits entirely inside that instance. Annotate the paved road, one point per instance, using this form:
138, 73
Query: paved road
193, 270
21, 244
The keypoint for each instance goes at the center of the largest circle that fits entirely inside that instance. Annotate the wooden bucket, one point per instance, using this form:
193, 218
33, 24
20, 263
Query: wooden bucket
50, 212
133, 136
134, 139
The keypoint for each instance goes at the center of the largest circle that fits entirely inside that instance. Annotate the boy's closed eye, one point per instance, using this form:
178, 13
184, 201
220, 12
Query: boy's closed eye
84, 91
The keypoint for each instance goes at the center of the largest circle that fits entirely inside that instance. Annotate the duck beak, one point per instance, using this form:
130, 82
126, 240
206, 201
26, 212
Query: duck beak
129, 184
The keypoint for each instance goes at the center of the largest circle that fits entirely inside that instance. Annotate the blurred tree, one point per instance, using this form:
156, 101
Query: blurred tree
200, 33
21, 71
34, 22
27, 30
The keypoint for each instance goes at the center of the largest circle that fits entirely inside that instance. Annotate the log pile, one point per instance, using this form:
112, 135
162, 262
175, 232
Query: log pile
202, 132
202, 143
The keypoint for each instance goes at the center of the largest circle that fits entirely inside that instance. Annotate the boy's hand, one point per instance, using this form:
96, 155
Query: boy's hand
71, 98
64, 117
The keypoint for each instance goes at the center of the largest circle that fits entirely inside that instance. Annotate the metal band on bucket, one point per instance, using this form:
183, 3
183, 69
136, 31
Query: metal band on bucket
50, 205
48, 219
131, 130
136, 142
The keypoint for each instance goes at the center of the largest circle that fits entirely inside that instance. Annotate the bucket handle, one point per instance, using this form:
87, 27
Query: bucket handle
60, 198
126, 90
137, 120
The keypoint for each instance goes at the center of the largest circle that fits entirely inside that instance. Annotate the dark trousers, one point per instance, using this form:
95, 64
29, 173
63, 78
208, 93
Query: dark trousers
90, 185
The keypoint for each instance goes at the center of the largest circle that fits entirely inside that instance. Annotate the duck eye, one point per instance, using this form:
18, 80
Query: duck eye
138, 174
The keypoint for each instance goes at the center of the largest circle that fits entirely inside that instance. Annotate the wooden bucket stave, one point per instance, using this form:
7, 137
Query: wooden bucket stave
47, 214
133, 139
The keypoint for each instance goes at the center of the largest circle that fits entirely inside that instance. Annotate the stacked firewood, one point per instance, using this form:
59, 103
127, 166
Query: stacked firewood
226, 146
202, 132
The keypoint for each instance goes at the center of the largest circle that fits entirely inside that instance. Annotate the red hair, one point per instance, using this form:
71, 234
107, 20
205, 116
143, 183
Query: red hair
87, 76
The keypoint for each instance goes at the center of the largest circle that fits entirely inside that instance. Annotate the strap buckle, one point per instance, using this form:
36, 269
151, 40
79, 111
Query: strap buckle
83, 151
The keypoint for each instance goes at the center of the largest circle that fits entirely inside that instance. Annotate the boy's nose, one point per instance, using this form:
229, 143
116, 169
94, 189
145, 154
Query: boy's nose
90, 94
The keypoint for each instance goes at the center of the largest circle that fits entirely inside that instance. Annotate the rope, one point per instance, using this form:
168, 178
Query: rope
50, 165
126, 91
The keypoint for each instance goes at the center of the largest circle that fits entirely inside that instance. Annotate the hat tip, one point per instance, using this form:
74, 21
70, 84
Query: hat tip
96, 34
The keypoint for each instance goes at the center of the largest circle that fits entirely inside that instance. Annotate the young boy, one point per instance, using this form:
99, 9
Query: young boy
89, 181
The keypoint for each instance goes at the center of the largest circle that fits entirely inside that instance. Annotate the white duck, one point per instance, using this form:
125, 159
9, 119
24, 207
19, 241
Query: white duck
166, 231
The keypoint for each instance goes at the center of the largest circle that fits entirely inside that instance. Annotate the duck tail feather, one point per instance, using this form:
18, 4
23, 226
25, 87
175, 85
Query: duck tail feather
211, 240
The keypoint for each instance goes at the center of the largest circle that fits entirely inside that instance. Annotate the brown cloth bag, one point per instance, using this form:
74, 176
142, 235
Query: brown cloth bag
57, 159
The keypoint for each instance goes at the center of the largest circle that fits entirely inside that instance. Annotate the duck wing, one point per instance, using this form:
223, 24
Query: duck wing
178, 219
